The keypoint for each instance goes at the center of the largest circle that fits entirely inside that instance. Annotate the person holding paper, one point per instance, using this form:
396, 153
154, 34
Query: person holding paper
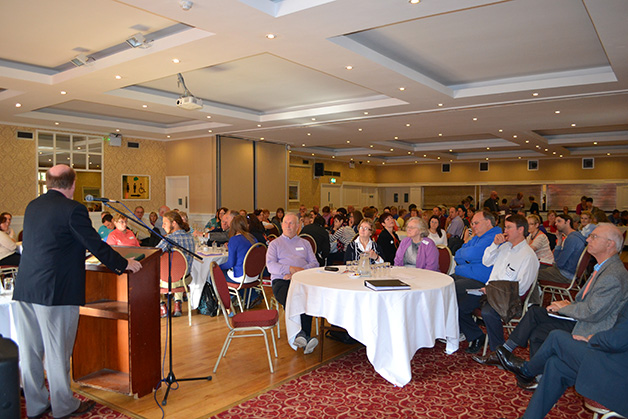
594, 309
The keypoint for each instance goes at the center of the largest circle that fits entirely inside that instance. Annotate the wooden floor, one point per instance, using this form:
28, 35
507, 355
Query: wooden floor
244, 373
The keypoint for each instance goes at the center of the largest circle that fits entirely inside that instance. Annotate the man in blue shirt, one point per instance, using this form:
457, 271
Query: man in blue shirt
569, 246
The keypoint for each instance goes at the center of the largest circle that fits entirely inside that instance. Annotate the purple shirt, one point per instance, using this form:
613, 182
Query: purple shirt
284, 252
426, 255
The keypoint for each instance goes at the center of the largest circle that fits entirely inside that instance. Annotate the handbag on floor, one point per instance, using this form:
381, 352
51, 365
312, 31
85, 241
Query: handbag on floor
208, 305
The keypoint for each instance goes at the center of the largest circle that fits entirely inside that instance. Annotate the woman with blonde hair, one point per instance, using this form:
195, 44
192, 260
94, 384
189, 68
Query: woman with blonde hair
538, 241
586, 223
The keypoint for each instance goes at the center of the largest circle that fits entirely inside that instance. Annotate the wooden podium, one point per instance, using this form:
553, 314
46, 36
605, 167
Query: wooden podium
118, 343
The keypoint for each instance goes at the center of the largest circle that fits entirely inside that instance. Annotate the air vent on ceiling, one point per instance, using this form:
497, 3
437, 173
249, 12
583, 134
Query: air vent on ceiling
446, 168
133, 144
483, 166
25, 135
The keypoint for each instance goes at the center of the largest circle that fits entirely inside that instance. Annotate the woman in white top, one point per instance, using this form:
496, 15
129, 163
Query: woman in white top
8, 247
437, 234
586, 223
538, 241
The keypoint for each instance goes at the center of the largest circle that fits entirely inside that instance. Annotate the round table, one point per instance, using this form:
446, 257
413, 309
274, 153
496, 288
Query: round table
392, 325
200, 273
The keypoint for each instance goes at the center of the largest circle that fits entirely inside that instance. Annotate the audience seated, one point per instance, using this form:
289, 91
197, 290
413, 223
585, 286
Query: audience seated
582, 206
550, 223
354, 220
417, 250
456, 226
9, 230
153, 217
287, 255
121, 235
106, 227
569, 247
615, 218
340, 238
214, 223
387, 240
160, 220
586, 223
512, 260
436, 232
255, 228
8, 247
538, 241
364, 244
141, 233
177, 232
492, 203
596, 364
316, 229
595, 307
278, 218
401, 221
517, 203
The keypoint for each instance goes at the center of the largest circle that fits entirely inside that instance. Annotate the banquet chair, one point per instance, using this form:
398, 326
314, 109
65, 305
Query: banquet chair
565, 290
267, 283
274, 230
254, 263
179, 273
310, 240
510, 326
599, 409
259, 321
445, 259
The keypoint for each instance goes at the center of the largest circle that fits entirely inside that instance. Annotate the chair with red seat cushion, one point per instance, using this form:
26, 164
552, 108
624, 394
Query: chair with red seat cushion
445, 259
242, 324
599, 409
178, 274
254, 264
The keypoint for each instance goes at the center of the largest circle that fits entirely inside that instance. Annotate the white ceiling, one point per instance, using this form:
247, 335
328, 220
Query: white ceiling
510, 64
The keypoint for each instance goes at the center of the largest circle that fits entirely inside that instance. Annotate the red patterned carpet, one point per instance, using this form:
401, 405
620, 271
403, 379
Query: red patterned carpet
98, 412
442, 386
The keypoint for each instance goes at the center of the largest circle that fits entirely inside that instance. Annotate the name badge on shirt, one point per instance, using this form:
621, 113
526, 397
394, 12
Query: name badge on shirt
299, 248
425, 241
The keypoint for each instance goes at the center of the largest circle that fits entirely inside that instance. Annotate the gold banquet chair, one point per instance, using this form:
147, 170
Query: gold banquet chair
246, 323
565, 290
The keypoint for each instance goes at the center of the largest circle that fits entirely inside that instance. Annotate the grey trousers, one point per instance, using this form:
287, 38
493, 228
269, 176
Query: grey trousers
50, 331
552, 273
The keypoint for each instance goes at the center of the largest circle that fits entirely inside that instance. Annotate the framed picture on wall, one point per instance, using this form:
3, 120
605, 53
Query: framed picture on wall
294, 191
136, 187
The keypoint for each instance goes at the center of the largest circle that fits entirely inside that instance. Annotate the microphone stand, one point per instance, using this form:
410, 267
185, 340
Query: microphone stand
170, 379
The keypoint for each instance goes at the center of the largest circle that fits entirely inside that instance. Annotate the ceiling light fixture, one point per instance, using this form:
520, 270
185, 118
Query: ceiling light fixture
475, 119
407, 125
138, 41
560, 155
402, 88
118, 77
514, 136
271, 36
440, 104
348, 142
414, 1
313, 119
167, 136
594, 142
349, 67
392, 149
501, 130
573, 125
309, 133
259, 125
117, 129
440, 134
209, 116
360, 129
18, 105
556, 112
63, 92
56, 123
144, 106
535, 94
176, 60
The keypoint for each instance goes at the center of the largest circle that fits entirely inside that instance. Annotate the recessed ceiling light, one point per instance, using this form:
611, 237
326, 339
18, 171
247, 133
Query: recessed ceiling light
556, 111
359, 129
259, 125
289, 151
409, 152
440, 104
396, 138
440, 134
535, 94
383, 162
63, 92
573, 125
348, 142
407, 125
208, 116
144, 106
438, 157
313, 119
553, 152
519, 157
176, 60
18, 105
475, 119
309, 133
366, 113
369, 155
368, 161
594, 142
414, 1
514, 136
527, 141
371, 145
117, 129
261, 138
608, 154
501, 130
425, 155
450, 150
402, 88
349, 67
312, 154
392, 149
118, 77
270, 36
56, 123
209, 130
538, 146
560, 155
302, 145
487, 158
167, 136
333, 157
546, 149
488, 148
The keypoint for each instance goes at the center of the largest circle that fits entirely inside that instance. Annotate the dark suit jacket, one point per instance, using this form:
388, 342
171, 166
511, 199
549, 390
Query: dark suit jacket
321, 237
57, 230
388, 245
603, 374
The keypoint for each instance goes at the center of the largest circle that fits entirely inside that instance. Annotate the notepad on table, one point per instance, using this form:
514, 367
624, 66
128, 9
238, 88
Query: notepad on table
386, 284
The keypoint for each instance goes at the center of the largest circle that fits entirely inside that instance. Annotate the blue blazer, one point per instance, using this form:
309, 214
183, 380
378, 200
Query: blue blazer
603, 374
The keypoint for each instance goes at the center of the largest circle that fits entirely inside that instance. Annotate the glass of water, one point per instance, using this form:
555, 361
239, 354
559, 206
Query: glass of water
8, 284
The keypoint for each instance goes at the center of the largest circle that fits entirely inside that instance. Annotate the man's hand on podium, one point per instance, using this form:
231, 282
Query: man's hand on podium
133, 265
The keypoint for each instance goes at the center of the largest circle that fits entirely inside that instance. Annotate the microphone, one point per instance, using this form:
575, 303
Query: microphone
90, 198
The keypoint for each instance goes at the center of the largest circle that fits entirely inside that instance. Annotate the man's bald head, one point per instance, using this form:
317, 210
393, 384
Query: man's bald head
162, 210
62, 178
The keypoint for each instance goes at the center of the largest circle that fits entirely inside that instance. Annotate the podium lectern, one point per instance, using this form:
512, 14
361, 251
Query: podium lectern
118, 344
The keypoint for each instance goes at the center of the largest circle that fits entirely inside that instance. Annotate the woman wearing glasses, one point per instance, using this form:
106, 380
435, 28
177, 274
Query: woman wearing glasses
364, 244
417, 250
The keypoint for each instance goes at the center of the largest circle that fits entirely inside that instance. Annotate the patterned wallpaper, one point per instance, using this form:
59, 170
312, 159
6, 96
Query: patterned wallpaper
18, 170
18, 173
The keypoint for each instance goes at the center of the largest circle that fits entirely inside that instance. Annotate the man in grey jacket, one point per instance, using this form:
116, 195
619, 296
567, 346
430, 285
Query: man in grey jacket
595, 308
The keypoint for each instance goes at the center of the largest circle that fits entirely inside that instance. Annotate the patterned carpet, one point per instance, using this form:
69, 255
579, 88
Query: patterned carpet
442, 386
98, 412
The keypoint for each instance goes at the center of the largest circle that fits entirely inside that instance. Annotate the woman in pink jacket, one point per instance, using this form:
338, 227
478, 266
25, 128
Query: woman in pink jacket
417, 250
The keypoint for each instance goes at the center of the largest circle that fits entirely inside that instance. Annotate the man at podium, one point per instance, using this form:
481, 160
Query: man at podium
49, 289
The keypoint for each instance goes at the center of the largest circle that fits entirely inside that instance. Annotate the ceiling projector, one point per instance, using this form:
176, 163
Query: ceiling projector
190, 103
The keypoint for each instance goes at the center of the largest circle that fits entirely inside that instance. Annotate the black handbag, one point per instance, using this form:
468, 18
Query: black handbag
208, 305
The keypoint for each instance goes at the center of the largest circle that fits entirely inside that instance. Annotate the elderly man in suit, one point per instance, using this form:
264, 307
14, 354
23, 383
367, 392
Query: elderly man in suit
596, 364
595, 308
49, 289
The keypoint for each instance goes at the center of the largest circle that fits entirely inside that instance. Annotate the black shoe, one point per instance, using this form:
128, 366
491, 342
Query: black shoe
527, 386
514, 364
489, 359
42, 414
83, 408
475, 345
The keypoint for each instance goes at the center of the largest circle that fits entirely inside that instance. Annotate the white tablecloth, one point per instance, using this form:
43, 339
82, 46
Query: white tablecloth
200, 273
7, 318
392, 325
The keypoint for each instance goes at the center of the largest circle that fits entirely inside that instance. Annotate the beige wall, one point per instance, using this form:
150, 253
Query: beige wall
311, 188
18, 173
195, 158
612, 168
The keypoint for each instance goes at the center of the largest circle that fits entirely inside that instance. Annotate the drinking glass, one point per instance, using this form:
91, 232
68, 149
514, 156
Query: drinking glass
8, 284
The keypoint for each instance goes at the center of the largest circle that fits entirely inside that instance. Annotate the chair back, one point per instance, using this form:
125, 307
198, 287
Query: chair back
179, 266
274, 230
310, 240
445, 259
270, 237
255, 260
583, 263
221, 289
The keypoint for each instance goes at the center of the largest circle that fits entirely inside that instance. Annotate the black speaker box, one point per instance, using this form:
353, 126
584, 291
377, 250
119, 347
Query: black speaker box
319, 169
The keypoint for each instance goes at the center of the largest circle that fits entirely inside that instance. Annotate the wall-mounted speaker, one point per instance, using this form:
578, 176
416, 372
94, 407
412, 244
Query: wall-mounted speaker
319, 169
